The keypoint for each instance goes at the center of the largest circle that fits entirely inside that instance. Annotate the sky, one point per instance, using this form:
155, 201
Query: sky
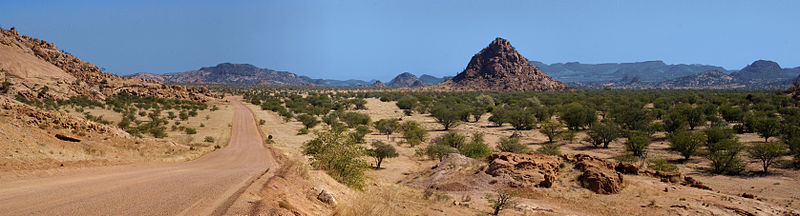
337, 39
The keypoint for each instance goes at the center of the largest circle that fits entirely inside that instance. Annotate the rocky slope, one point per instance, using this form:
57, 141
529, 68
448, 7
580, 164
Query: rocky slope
405, 79
499, 67
706, 80
227, 73
34, 68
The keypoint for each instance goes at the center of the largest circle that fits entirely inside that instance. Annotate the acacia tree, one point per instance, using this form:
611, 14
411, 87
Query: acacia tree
576, 116
767, 127
387, 126
448, 116
382, 151
637, 144
686, 143
413, 132
551, 129
603, 133
504, 198
767, 153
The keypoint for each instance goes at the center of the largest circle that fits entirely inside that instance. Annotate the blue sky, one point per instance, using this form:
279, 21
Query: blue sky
380, 39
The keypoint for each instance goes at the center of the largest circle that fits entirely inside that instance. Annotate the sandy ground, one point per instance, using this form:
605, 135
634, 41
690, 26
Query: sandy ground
207, 185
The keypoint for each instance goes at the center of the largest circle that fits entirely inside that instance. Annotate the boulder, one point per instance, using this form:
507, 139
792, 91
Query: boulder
326, 197
524, 170
602, 181
627, 168
598, 175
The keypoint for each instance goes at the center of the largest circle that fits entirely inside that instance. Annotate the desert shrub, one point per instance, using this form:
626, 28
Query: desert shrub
717, 134
208, 139
549, 149
436, 151
503, 199
686, 143
182, 115
158, 132
476, 148
637, 144
358, 135
767, 153
603, 133
339, 156
382, 151
451, 139
724, 156
552, 129
661, 165
303, 131
766, 127
190, 131
448, 116
407, 102
521, 119
308, 121
512, 145
674, 121
576, 116
413, 133
261, 122
354, 119
499, 116
387, 126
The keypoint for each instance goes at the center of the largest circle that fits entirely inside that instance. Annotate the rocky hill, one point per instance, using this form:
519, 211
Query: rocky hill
227, 73
706, 80
405, 79
499, 67
332, 82
379, 84
432, 80
36, 69
764, 70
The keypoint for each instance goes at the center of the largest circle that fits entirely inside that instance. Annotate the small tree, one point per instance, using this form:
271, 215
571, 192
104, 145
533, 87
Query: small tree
521, 119
436, 151
451, 139
637, 144
339, 156
724, 156
512, 145
308, 121
551, 129
354, 119
387, 126
504, 199
446, 116
603, 133
549, 149
767, 153
413, 132
382, 151
686, 143
576, 116
767, 127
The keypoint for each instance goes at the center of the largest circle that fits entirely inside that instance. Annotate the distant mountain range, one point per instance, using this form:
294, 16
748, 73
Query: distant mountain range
761, 74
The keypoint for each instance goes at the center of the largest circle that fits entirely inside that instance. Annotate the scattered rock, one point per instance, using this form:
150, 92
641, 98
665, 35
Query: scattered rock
695, 183
524, 170
748, 195
598, 174
627, 168
67, 138
326, 197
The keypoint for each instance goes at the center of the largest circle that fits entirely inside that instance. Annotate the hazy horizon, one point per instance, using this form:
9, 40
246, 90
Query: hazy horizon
377, 40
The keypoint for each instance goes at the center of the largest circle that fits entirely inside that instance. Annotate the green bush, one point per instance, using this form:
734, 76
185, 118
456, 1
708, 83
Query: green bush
387, 126
209, 139
549, 149
686, 143
512, 145
767, 153
354, 119
476, 148
637, 144
382, 151
661, 165
339, 156
191, 131
413, 133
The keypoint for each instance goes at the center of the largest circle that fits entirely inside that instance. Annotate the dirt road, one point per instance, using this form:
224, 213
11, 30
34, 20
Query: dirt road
206, 186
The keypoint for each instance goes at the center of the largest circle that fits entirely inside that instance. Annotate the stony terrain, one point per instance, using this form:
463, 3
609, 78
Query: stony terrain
499, 67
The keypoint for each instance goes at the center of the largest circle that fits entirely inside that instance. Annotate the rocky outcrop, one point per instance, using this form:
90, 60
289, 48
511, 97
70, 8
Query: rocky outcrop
499, 67
432, 80
598, 174
794, 91
405, 79
524, 170
379, 84
36, 69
